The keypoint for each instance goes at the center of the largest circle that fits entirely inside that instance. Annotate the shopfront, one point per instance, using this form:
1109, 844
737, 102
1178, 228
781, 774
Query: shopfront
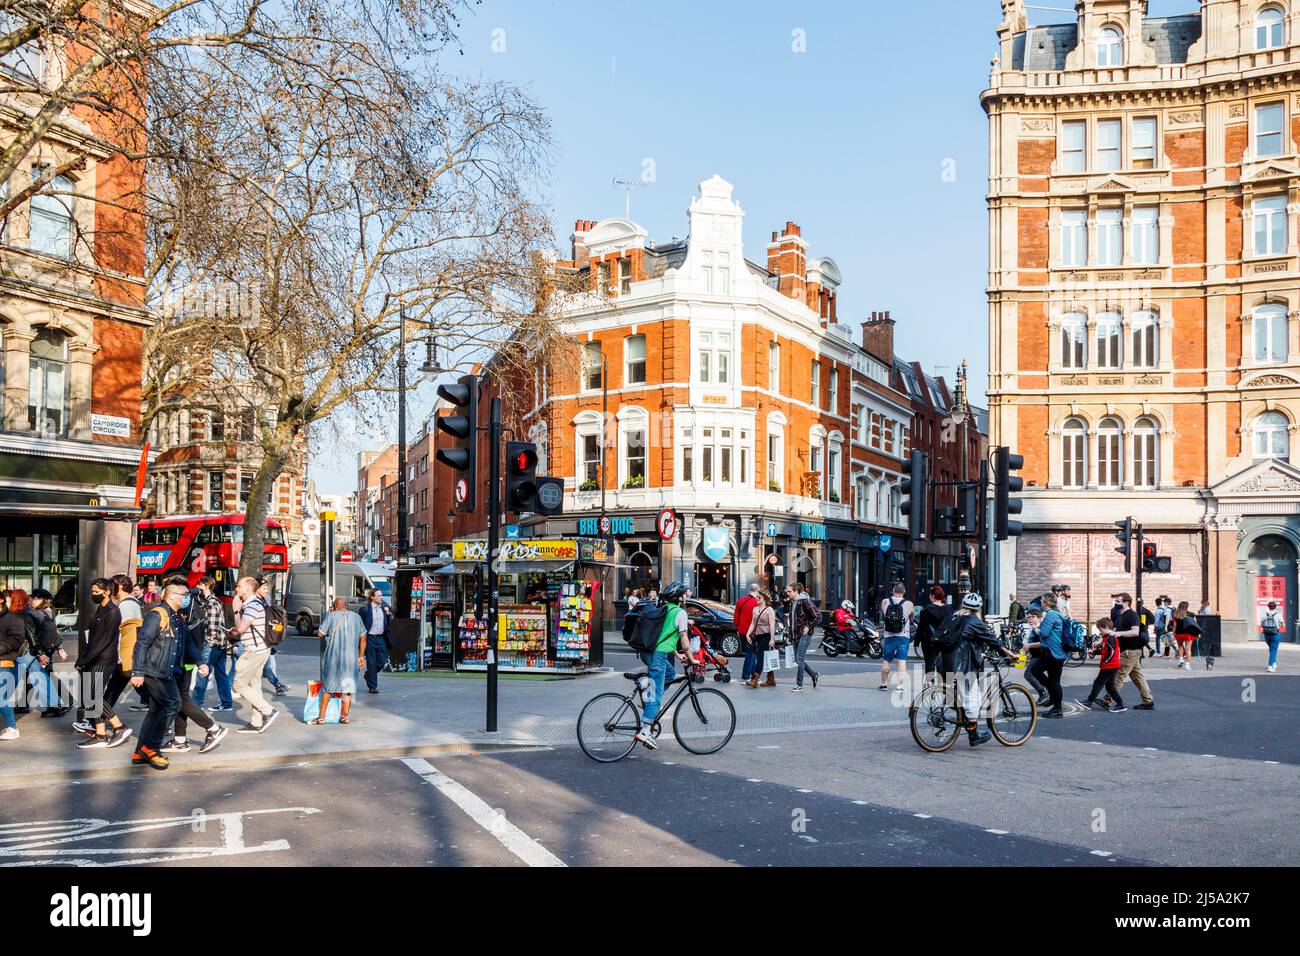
550, 616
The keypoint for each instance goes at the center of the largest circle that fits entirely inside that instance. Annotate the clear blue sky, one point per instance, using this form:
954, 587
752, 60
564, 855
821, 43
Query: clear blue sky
850, 138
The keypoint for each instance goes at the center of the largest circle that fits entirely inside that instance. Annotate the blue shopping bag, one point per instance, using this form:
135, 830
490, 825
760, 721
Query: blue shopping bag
311, 709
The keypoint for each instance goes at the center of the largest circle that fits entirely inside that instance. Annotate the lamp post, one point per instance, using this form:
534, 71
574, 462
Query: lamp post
430, 366
961, 415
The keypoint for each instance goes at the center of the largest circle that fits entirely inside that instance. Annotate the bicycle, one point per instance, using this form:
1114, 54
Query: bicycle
938, 718
608, 723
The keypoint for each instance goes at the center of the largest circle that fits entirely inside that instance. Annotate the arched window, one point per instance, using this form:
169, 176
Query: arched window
1110, 47
1270, 29
1074, 340
1109, 337
52, 214
47, 383
1074, 453
1110, 453
1270, 435
1146, 453
1269, 330
1146, 340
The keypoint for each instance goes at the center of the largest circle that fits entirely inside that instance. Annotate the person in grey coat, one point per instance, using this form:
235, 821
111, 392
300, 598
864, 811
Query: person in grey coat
345, 655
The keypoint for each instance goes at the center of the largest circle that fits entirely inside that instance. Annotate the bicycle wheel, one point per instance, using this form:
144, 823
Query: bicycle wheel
1076, 658
607, 727
1016, 717
704, 722
933, 716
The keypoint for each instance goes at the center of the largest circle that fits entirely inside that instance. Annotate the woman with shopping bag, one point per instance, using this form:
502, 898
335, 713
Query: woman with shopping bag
762, 630
344, 656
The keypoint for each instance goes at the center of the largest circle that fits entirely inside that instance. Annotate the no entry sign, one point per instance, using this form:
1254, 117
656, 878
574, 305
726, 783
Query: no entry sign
666, 523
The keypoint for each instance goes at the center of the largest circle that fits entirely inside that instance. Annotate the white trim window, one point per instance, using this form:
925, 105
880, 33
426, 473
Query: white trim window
775, 458
1074, 237
1110, 47
746, 452
859, 423
47, 383
592, 366
602, 278
589, 443
774, 367
634, 457
1269, 138
860, 498
1271, 435
815, 389
889, 434
28, 59
53, 216
624, 276
1074, 453
1110, 336
1270, 225
1074, 146
834, 456
817, 456
1146, 235
1110, 141
1110, 453
1146, 340
834, 405
634, 360
1146, 453
1110, 237
1144, 143
715, 358
706, 456
1270, 29
1074, 341
1269, 331
687, 443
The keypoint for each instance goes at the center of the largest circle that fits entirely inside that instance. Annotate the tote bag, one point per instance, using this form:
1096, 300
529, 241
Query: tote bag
771, 661
311, 707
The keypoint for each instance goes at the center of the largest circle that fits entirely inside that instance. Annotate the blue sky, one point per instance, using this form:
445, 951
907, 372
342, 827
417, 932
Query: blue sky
872, 139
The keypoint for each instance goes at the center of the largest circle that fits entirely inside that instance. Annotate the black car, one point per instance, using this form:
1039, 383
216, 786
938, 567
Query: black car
717, 623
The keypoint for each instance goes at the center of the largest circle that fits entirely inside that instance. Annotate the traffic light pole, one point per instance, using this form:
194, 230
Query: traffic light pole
1137, 586
494, 541
983, 527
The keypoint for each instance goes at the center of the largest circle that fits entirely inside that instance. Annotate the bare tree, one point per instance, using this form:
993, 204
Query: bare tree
339, 187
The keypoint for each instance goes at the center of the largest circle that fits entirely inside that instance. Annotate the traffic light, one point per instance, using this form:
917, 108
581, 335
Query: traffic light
1152, 562
966, 515
550, 496
521, 476
463, 457
1004, 463
914, 488
1125, 536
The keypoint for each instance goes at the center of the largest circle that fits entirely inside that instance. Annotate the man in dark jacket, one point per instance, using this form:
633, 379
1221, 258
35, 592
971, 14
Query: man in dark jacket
974, 639
194, 625
928, 625
376, 616
95, 664
156, 665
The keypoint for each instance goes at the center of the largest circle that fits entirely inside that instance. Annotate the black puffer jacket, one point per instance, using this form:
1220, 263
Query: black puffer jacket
976, 638
42, 635
13, 636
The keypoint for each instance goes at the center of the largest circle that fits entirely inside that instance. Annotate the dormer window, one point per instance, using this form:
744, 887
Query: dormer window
1110, 47
1270, 29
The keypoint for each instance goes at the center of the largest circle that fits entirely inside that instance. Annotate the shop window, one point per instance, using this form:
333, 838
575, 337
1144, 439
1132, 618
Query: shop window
47, 384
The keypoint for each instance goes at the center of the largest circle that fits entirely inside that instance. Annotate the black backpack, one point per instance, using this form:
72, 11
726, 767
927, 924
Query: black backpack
277, 625
895, 618
948, 637
649, 625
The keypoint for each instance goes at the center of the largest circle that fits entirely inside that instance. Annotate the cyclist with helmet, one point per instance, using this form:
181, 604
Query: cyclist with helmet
674, 641
966, 638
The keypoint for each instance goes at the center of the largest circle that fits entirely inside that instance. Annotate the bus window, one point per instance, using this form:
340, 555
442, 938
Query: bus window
275, 536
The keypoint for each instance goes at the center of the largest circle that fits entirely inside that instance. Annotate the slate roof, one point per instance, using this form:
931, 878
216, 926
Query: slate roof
1044, 48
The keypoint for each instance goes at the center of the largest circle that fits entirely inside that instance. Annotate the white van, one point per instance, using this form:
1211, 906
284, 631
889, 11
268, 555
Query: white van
352, 580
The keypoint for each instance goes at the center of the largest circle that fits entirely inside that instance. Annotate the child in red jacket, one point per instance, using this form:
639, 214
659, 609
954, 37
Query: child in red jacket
1106, 648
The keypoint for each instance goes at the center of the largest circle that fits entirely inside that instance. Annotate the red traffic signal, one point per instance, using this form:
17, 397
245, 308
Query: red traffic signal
524, 461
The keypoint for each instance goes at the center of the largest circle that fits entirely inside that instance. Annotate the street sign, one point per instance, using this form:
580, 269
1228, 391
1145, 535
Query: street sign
605, 524
886, 542
512, 532
462, 491
771, 529
666, 524
345, 555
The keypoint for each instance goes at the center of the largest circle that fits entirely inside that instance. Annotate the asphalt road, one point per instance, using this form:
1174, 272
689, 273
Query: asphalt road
1206, 779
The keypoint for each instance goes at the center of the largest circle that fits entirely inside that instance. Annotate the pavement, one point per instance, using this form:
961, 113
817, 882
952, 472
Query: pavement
436, 713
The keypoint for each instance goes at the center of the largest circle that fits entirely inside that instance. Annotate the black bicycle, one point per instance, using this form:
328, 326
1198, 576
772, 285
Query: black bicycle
703, 723
938, 718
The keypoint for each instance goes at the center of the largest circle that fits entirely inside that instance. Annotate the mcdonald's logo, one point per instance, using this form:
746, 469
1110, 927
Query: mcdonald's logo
93, 502
56, 568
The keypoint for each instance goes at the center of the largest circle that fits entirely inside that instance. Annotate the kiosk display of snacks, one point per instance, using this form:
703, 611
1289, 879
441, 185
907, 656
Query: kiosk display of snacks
549, 617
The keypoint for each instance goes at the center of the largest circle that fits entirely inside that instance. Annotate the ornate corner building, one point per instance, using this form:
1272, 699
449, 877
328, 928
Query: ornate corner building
1144, 297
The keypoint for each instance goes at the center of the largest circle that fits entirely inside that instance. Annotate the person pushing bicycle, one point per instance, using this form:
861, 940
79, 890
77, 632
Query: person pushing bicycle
674, 642
964, 640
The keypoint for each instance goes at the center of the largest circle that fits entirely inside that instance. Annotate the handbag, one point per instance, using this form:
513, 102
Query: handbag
789, 656
771, 661
311, 707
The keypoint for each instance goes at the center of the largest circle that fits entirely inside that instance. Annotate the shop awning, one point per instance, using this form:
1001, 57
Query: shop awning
540, 566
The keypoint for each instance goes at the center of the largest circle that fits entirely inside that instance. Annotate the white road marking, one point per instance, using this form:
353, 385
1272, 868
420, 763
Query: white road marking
1207, 755
861, 803
1273, 762
753, 780
1101, 853
709, 771
802, 790
1151, 748
922, 816
507, 834
769, 747
998, 832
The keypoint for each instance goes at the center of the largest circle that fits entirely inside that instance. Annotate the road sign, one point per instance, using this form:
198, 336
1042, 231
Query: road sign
666, 523
345, 555
771, 529
512, 532
462, 490
605, 524
886, 542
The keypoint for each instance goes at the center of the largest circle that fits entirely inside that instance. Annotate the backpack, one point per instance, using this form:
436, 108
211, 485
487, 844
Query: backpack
277, 624
1072, 636
1269, 623
948, 637
895, 619
649, 625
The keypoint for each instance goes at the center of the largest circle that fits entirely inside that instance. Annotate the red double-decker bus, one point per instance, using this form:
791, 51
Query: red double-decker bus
195, 545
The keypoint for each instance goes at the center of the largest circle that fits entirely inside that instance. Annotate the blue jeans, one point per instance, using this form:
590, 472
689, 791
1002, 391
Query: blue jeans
27, 669
800, 652
269, 670
221, 667
376, 658
661, 672
1272, 642
751, 661
164, 702
8, 686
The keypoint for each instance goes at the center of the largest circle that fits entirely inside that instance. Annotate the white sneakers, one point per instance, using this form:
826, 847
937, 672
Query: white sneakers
1272, 668
10, 733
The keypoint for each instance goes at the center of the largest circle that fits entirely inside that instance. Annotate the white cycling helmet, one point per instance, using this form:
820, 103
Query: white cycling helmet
848, 606
972, 601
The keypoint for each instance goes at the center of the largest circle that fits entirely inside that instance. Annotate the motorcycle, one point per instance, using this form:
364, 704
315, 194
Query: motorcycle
860, 641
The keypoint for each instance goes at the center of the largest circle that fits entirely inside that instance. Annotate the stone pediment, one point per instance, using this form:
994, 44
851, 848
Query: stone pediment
1113, 184
1273, 478
1273, 171
1271, 379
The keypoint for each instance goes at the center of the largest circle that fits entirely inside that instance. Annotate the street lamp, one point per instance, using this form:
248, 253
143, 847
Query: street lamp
431, 366
961, 415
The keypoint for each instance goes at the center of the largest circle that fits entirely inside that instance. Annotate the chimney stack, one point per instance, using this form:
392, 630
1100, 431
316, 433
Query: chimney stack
878, 337
787, 259
578, 241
